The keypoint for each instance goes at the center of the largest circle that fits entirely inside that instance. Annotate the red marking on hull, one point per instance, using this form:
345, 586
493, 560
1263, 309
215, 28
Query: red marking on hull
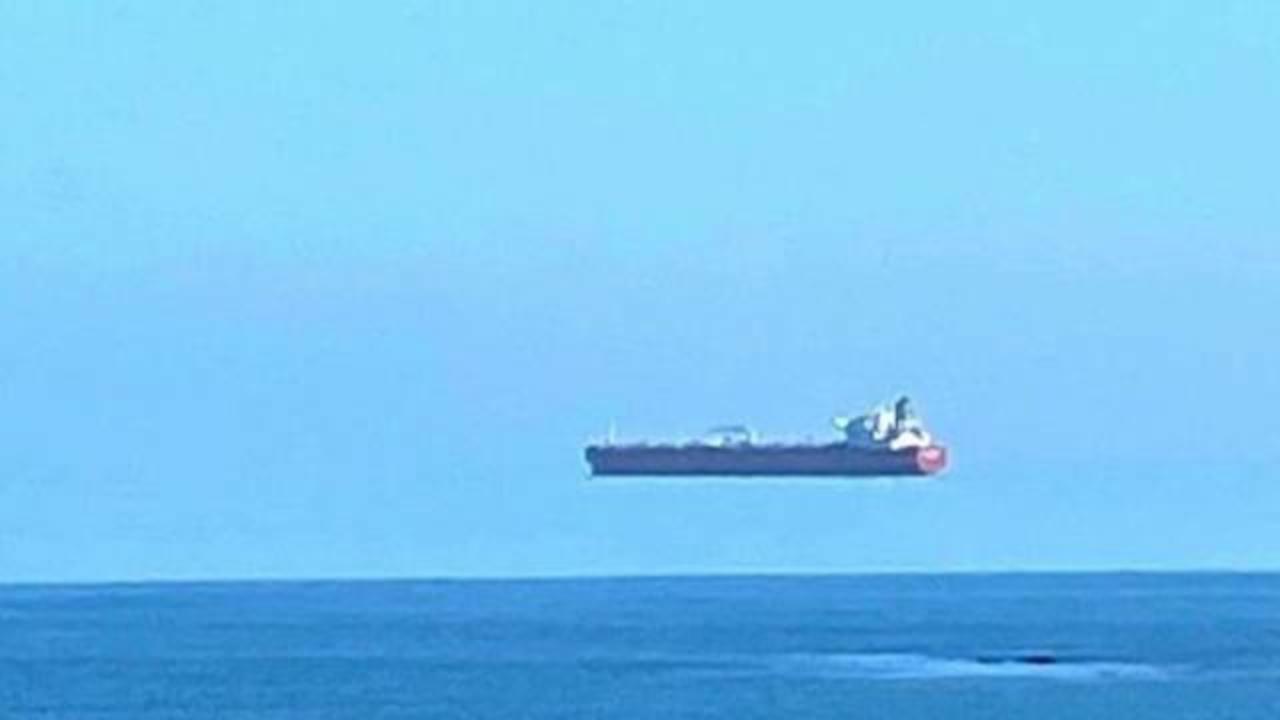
932, 459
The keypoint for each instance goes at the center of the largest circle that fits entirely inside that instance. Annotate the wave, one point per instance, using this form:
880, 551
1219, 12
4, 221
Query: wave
906, 666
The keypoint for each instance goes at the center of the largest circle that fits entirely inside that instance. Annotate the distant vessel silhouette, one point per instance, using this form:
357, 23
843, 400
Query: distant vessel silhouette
890, 440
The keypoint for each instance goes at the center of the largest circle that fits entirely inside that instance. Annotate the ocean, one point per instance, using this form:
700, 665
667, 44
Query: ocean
1125, 646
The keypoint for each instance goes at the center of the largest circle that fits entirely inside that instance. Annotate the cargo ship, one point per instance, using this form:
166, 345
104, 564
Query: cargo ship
888, 441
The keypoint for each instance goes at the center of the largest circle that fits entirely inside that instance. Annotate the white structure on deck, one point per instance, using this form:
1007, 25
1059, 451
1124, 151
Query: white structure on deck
892, 425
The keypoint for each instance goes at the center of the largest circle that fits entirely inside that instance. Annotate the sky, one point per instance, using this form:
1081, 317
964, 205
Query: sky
307, 289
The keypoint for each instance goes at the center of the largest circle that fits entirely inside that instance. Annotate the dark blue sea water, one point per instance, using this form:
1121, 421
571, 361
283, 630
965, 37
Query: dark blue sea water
970, 647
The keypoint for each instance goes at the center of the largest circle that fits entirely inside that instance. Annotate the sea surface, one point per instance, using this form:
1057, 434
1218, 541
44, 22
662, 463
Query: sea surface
962, 646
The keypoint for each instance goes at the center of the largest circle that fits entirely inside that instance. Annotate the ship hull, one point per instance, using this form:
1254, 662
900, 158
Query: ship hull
833, 460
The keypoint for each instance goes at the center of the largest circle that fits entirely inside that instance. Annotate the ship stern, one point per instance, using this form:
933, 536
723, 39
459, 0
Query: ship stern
931, 460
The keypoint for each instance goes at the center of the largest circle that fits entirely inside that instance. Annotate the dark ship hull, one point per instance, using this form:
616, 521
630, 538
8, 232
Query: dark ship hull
816, 460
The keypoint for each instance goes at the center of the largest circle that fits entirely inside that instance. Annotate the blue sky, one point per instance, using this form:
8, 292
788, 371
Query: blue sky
308, 289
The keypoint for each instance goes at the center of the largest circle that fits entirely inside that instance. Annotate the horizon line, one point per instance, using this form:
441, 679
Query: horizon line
623, 576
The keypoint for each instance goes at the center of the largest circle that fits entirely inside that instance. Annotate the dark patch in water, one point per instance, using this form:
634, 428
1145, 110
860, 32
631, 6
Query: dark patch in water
1019, 659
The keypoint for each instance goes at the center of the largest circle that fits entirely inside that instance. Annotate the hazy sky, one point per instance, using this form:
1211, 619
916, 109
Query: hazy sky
309, 289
